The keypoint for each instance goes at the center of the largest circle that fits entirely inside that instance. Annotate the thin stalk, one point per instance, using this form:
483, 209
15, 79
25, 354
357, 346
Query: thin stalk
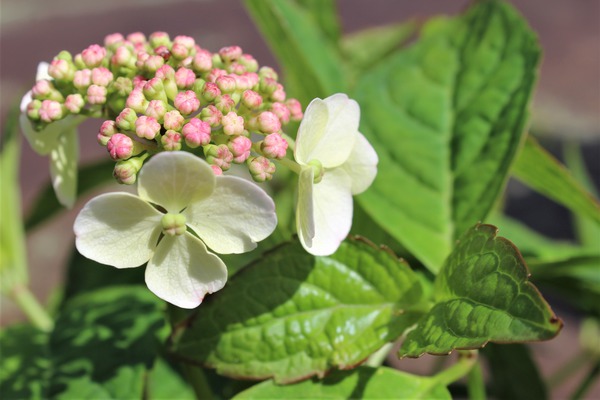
377, 358
198, 380
460, 369
32, 308
293, 165
475, 383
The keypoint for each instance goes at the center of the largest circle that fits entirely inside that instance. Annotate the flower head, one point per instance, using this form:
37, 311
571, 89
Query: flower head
336, 162
197, 209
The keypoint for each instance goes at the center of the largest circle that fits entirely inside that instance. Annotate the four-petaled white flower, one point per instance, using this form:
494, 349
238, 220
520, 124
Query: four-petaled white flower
58, 139
336, 162
179, 198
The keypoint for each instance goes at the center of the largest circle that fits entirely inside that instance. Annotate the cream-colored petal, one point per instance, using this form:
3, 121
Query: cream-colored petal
182, 271
236, 216
44, 141
117, 229
175, 179
63, 168
361, 166
332, 202
305, 222
328, 131
42, 71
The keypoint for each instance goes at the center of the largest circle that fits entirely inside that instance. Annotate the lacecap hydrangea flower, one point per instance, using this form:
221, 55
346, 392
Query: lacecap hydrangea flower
181, 209
336, 162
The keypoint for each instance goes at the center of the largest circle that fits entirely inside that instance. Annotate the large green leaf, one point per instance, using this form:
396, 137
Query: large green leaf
446, 117
482, 294
104, 343
292, 315
361, 383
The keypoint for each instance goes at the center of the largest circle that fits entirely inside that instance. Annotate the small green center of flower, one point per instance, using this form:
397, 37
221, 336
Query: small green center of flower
318, 169
173, 224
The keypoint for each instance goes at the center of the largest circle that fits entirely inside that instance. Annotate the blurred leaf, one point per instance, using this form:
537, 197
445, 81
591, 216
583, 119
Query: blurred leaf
46, 205
165, 383
105, 343
538, 169
446, 117
482, 294
514, 374
325, 12
24, 364
360, 383
292, 315
309, 59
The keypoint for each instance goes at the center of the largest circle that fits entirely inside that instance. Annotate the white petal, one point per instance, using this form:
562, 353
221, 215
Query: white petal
25, 102
175, 179
305, 219
332, 201
117, 229
42, 71
236, 216
63, 168
45, 140
328, 131
183, 271
361, 166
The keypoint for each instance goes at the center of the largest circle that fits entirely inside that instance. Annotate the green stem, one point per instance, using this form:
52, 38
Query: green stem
475, 383
377, 358
32, 308
198, 381
293, 165
461, 368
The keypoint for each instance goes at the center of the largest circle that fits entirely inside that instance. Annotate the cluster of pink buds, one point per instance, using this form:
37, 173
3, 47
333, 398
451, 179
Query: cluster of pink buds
180, 96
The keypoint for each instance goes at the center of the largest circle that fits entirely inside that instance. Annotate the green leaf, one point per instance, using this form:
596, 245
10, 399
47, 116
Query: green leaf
309, 59
514, 374
46, 205
104, 343
325, 12
446, 117
360, 383
538, 169
164, 382
292, 315
24, 363
482, 294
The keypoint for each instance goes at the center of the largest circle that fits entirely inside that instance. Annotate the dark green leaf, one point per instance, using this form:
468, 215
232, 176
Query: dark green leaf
325, 12
482, 294
361, 383
292, 315
446, 117
164, 382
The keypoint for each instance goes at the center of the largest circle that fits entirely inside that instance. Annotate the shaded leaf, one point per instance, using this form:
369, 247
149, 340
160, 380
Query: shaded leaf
360, 383
292, 315
164, 382
446, 117
482, 294
325, 12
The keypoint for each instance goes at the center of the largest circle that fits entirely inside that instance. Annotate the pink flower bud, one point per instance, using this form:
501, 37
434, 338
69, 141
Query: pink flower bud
42, 89
61, 70
107, 129
120, 147
236, 68
251, 99
82, 79
159, 39
218, 155
154, 89
211, 115
136, 38
242, 82
187, 102
122, 57
186, 41
202, 61
173, 120
274, 146
249, 62
278, 94
184, 78
125, 121
147, 127
210, 91
268, 122
164, 52
96, 94
282, 112
226, 83
214, 74
165, 72
232, 124
179, 51
74, 103
261, 168
295, 109
268, 72
217, 170
93, 55
139, 81
137, 101
230, 54
50, 110
126, 171
196, 133
33, 109
224, 103
156, 109
252, 78
267, 85
101, 76
113, 39
171, 140
152, 63
240, 147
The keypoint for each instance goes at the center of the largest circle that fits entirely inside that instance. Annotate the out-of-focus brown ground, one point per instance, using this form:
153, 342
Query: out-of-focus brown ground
567, 102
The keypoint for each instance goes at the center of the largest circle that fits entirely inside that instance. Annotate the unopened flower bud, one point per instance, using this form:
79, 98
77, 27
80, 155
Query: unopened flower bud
226, 83
159, 39
136, 38
50, 110
101, 76
214, 74
186, 41
122, 57
196, 133
126, 171
121, 147
42, 89
171, 140
179, 51
211, 115
61, 70
173, 120
261, 168
74, 103
126, 120
184, 78
202, 61
107, 129
210, 91
230, 53
282, 112
267, 86
113, 39
278, 94
224, 103
93, 55
155, 90
216, 170
268, 72
139, 82
233, 124
123, 86
96, 94
147, 127
253, 79
249, 62
82, 79
173, 224
295, 109
240, 147
33, 109
187, 102
251, 99
137, 101
156, 109
153, 63
274, 146
164, 52
165, 72
219, 155
268, 122
236, 69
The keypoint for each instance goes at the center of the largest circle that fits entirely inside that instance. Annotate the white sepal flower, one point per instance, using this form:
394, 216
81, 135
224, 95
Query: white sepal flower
59, 140
337, 162
178, 193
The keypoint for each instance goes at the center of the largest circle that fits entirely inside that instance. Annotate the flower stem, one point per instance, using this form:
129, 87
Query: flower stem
377, 358
476, 384
32, 308
462, 367
293, 165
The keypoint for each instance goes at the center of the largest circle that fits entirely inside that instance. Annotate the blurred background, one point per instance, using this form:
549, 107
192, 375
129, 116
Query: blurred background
566, 106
